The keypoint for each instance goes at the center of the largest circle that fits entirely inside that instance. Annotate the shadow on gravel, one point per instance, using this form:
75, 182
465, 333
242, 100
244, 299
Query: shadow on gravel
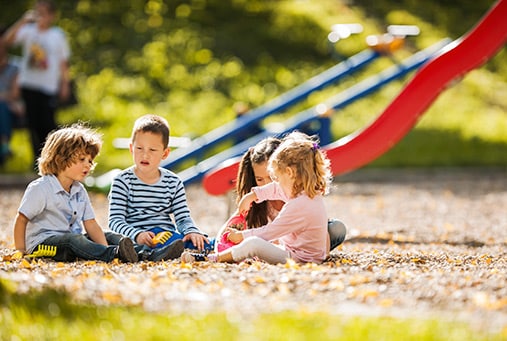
382, 240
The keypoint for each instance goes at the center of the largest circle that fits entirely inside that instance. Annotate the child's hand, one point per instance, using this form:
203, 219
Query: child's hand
234, 236
145, 238
197, 240
245, 203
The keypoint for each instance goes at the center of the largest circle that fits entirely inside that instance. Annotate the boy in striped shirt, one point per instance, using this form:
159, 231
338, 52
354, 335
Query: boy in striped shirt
146, 199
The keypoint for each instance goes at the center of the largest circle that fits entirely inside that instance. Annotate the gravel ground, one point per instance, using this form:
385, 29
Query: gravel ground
422, 244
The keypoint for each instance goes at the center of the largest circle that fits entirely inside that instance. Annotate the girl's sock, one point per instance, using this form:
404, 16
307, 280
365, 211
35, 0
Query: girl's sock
213, 257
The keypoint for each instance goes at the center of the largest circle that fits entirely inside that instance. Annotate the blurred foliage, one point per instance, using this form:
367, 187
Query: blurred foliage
191, 61
50, 314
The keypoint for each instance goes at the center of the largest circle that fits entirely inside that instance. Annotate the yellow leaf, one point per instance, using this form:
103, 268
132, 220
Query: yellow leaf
14, 256
358, 279
26, 264
111, 297
291, 264
260, 279
386, 302
370, 293
184, 265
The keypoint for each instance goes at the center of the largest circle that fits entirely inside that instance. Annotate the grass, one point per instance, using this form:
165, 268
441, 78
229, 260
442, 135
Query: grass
51, 315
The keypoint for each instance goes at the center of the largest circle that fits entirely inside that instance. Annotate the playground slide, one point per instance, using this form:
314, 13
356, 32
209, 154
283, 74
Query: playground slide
203, 143
218, 180
359, 148
460, 57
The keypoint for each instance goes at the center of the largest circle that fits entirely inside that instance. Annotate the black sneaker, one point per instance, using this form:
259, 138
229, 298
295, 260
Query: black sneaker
171, 251
126, 251
190, 257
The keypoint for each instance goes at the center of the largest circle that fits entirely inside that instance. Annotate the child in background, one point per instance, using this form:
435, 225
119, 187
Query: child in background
147, 199
253, 172
44, 69
301, 175
9, 102
55, 207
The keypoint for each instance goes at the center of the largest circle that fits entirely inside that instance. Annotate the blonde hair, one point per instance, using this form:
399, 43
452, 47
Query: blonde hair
303, 155
153, 124
63, 147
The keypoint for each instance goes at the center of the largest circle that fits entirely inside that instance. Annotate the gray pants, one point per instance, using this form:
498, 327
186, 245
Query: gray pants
337, 232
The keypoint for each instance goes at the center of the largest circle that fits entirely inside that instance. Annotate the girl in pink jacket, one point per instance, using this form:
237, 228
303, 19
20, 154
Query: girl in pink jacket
301, 176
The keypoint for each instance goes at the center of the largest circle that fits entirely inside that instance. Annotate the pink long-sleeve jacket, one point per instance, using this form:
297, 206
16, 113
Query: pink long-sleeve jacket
301, 225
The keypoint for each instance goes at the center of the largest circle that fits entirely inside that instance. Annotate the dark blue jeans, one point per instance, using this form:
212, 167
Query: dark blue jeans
188, 244
5, 120
70, 247
114, 238
5, 130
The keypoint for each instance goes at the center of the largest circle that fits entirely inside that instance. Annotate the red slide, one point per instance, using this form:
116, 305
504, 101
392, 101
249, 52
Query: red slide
458, 58
359, 148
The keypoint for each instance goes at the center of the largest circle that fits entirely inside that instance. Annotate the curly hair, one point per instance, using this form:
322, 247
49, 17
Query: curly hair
311, 167
63, 147
258, 214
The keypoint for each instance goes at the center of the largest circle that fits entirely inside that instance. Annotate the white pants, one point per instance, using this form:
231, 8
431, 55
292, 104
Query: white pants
258, 247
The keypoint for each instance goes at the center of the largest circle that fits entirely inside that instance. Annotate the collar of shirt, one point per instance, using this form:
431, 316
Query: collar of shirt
57, 187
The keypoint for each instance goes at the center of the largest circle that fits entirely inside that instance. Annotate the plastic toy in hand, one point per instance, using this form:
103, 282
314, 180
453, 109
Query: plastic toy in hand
161, 237
237, 222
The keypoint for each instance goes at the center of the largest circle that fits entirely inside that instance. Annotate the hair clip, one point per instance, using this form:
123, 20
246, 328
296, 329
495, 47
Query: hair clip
315, 146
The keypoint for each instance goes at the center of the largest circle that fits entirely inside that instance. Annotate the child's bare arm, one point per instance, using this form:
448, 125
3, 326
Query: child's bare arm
20, 231
95, 231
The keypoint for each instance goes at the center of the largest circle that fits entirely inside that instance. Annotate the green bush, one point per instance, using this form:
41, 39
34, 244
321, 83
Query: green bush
192, 61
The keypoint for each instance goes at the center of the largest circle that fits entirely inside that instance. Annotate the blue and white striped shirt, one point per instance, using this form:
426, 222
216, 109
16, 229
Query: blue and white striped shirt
135, 206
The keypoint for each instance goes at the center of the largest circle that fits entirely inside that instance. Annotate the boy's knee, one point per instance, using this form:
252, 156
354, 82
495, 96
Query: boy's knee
113, 238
